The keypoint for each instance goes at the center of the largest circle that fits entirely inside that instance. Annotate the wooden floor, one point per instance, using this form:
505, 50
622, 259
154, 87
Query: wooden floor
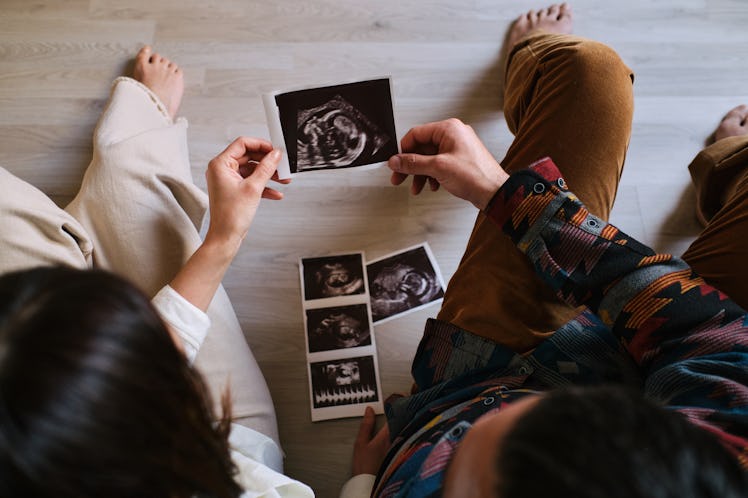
57, 59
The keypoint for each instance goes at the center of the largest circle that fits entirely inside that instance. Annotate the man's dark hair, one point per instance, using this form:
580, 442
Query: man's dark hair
95, 398
611, 442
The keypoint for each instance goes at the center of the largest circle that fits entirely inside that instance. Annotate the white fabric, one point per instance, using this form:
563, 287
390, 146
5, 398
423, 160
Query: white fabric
257, 457
138, 214
359, 486
185, 319
141, 212
249, 449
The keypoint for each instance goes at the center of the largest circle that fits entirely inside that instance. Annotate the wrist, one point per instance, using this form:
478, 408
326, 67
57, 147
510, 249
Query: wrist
490, 187
221, 248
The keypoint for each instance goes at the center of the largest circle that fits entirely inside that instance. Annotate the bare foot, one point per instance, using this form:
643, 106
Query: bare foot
555, 19
162, 76
734, 123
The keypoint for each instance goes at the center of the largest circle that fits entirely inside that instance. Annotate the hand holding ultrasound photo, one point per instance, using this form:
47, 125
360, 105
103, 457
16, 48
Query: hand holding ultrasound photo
332, 127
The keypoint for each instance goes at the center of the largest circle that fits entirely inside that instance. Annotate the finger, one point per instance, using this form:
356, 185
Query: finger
397, 178
285, 181
272, 194
419, 181
430, 133
246, 169
367, 427
265, 169
433, 184
414, 164
245, 145
383, 436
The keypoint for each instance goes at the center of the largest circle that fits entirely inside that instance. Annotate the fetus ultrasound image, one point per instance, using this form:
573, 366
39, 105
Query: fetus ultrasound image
333, 276
343, 382
402, 282
339, 126
338, 327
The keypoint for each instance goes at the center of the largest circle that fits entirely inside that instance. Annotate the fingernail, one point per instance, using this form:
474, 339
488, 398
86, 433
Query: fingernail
394, 163
275, 154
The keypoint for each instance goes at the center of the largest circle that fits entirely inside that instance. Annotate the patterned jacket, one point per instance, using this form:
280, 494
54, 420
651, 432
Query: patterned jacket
650, 321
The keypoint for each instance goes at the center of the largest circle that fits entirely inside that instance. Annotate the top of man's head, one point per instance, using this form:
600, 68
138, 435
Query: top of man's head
600, 442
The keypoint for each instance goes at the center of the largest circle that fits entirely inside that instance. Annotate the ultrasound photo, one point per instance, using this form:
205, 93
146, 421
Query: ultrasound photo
338, 327
333, 276
343, 382
339, 126
403, 282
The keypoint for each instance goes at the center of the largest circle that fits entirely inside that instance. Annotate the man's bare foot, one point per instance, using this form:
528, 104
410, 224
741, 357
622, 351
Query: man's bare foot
735, 123
162, 76
555, 19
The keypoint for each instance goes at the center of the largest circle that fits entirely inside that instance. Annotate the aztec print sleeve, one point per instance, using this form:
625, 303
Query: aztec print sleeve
688, 338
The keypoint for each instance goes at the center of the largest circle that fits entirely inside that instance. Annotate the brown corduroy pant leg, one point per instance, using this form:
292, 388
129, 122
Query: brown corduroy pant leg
720, 253
571, 99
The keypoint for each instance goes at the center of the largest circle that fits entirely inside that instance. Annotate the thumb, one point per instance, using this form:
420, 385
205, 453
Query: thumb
412, 164
266, 167
367, 426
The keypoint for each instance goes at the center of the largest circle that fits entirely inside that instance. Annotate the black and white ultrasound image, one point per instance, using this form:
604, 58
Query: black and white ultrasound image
333, 276
340, 126
402, 282
338, 327
343, 382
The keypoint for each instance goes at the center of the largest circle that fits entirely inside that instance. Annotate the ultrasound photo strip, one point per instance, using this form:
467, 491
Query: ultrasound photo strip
338, 330
331, 127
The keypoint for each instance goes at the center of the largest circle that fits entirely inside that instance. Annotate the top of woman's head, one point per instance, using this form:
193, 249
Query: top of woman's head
95, 398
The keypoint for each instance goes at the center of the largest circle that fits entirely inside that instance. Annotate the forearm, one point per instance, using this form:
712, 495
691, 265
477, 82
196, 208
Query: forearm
689, 339
652, 301
200, 277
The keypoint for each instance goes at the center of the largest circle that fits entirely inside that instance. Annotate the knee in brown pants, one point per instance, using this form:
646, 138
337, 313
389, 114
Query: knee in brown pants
570, 99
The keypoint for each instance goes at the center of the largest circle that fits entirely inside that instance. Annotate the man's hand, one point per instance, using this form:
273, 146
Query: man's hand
369, 449
448, 153
237, 180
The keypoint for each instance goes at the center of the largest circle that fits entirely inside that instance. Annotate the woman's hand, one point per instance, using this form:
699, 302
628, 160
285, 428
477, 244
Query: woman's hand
237, 180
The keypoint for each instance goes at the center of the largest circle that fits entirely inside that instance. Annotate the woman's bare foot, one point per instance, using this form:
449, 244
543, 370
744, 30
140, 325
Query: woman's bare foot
162, 76
555, 19
734, 123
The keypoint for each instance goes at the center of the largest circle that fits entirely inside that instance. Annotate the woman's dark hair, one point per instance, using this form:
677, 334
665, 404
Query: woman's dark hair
95, 398
611, 442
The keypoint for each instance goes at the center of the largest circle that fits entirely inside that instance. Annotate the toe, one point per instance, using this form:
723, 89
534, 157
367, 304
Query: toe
564, 10
738, 112
144, 53
553, 11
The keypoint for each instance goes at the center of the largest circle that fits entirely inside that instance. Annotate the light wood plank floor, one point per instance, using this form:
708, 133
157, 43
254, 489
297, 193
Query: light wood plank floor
57, 59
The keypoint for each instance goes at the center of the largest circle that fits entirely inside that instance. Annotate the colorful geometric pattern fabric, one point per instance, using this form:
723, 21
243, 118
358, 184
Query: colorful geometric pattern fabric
688, 339
649, 321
